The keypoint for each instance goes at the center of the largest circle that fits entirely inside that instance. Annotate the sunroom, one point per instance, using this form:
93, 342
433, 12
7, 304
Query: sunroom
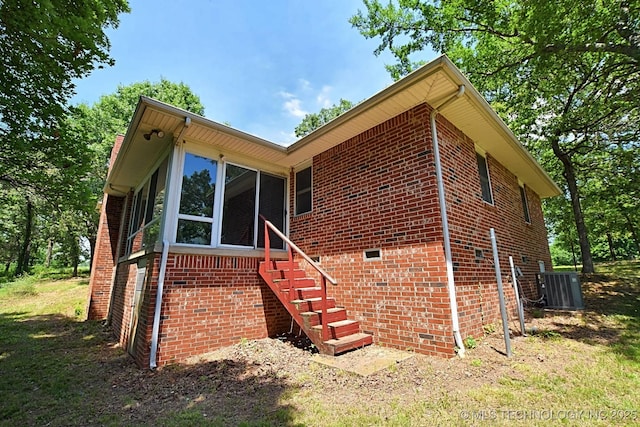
193, 195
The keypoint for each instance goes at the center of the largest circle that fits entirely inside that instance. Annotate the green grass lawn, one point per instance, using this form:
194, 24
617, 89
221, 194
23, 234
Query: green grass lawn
581, 368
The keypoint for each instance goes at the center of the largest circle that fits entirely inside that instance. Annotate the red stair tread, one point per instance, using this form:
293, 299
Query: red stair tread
349, 342
314, 288
329, 310
337, 324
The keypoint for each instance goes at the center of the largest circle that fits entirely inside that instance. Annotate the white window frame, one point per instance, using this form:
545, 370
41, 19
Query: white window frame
177, 169
178, 194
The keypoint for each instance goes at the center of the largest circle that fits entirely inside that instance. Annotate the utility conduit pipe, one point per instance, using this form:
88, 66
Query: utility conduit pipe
156, 316
445, 222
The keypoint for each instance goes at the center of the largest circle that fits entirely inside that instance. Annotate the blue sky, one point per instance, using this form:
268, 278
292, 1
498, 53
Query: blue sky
258, 65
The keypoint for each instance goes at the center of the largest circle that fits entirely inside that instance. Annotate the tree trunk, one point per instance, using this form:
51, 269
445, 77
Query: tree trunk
612, 252
570, 177
92, 236
573, 252
633, 231
75, 254
47, 261
23, 259
92, 247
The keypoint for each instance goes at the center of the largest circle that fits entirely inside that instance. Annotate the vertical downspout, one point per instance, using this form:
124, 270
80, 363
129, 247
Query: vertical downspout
445, 223
156, 317
155, 332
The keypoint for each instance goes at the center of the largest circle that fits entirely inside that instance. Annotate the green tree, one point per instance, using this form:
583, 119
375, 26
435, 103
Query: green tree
313, 121
44, 46
99, 124
562, 74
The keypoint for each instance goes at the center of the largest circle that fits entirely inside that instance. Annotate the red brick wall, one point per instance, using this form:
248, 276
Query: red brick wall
105, 257
470, 220
209, 302
122, 300
378, 190
122, 309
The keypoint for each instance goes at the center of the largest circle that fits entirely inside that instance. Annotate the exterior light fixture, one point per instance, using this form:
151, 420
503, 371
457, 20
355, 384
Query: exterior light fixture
158, 132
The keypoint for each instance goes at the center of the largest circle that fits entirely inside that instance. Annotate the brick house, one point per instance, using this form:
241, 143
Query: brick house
374, 254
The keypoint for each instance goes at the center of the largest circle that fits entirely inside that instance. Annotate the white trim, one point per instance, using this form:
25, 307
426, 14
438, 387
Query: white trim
218, 202
173, 205
207, 150
256, 210
217, 214
196, 218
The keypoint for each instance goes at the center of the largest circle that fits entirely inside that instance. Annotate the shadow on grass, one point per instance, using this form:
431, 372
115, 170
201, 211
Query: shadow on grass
57, 371
611, 316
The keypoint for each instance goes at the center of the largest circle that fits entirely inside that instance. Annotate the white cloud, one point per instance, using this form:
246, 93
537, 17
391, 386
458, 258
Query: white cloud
304, 84
305, 94
292, 105
322, 98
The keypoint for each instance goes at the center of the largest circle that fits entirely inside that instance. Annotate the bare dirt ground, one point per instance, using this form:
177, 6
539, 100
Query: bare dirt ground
243, 382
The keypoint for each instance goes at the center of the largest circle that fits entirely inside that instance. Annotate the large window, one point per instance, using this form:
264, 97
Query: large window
272, 196
303, 191
146, 214
195, 215
525, 205
239, 208
231, 217
485, 183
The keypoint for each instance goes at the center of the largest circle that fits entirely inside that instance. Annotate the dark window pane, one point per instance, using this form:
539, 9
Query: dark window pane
153, 182
525, 205
134, 211
484, 179
151, 235
158, 203
303, 191
272, 197
198, 186
193, 232
238, 211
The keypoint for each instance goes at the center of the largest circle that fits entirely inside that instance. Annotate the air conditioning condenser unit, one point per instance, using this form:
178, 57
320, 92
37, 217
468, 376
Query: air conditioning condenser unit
560, 290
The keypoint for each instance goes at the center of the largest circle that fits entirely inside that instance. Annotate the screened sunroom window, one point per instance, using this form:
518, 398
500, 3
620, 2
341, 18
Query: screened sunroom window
195, 215
146, 213
239, 208
228, 214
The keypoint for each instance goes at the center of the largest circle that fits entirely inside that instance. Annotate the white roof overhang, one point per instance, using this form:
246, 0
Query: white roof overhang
432, 83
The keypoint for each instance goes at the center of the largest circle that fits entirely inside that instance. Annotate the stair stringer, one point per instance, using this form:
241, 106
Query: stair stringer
281, 287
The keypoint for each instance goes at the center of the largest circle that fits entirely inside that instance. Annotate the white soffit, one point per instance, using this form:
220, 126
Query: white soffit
432, 83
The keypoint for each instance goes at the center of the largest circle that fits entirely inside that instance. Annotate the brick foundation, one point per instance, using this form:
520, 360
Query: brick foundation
209, 302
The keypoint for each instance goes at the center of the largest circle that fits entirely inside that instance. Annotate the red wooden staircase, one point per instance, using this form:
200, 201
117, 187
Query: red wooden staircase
324, 322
